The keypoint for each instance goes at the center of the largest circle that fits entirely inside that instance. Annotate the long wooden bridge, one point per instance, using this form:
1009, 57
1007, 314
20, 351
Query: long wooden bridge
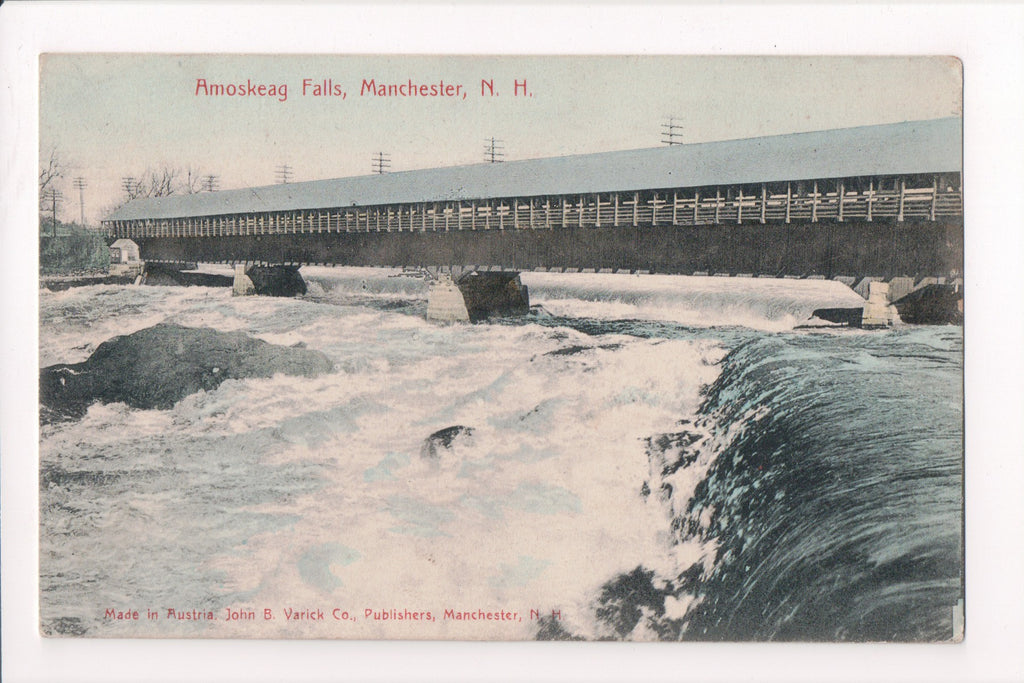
879, 201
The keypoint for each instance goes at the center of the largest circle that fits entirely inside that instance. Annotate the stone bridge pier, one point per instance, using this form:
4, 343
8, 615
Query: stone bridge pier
475, 296
268, 280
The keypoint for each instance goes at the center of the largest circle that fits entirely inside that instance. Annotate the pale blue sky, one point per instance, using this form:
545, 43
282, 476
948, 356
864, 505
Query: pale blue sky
116, 115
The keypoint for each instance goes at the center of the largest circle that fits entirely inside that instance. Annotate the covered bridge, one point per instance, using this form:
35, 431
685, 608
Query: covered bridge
880, 200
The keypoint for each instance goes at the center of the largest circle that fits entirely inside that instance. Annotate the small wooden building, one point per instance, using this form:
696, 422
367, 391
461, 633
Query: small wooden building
124, 251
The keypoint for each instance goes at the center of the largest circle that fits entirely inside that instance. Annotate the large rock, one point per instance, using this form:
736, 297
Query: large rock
444, 441
158, 366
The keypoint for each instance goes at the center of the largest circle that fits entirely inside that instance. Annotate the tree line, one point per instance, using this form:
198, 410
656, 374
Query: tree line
152, 182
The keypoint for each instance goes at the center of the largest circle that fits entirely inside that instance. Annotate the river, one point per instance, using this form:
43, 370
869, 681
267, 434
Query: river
640, 458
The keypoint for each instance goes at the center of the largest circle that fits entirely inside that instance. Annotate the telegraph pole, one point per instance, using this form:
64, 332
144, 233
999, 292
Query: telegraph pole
129, 185
494, 152
283, 174
80, 186
671, 132
381, 163
211, 182
55, 196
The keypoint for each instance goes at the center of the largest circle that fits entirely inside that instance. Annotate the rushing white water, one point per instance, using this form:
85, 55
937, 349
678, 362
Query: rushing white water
766, 304
314, 494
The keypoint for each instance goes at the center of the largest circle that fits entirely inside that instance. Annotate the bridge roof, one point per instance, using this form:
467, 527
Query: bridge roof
891, 149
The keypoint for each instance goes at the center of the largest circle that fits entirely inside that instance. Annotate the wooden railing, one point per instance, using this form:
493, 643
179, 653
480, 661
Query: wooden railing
830, 200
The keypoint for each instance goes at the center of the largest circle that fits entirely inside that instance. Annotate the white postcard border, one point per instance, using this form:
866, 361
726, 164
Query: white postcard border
986, 37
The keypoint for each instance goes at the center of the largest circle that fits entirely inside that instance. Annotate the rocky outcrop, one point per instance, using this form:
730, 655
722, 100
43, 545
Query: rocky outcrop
158, 366
841, 316
444, 441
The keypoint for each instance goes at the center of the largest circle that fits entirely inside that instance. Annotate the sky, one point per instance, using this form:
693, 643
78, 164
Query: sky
116, 115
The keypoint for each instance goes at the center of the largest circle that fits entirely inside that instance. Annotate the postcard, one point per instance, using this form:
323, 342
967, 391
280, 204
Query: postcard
501, 348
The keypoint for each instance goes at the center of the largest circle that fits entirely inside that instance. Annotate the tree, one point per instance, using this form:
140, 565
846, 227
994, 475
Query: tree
157, 183
49, 175
161, 182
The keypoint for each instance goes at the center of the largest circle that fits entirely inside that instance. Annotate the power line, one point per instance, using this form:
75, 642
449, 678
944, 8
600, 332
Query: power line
283, 174
80, 185
494, 152
210, 182
381, 163
671, 132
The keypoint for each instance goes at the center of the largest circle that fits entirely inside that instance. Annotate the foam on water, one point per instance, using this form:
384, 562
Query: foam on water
766, 304
755, 303
315, 493
829, 474
327, 501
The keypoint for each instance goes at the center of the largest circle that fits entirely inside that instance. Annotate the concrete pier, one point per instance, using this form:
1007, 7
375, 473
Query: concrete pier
445, 302
929, 301
243, 285
476, 296
494, 294
268, 280
933, 304
878, 312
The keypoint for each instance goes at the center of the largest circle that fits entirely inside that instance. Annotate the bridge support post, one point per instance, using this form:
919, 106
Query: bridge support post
932, 301
445, 302
476, 296
878, 312
268, 281
243, 286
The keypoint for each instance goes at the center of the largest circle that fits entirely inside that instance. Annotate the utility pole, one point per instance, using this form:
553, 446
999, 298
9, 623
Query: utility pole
129, 185
671, 132
494, 152
283, 174
381, 163
211, 182
55, 196
80, 186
